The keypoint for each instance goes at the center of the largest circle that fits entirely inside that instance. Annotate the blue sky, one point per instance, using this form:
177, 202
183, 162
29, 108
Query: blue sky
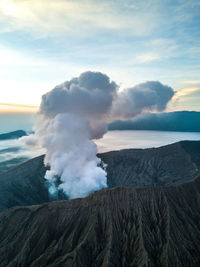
45, 42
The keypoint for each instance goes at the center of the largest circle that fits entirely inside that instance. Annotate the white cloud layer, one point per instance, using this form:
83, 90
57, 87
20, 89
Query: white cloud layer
46, 18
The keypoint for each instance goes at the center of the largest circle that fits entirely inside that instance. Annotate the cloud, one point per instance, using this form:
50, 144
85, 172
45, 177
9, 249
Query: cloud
94, 35
70, 117
90, 95
146, 58
186, 99
93, 96
158, 49
18, 105
142, 97
50, 17
9, 107
75, 113
186, 92
13, 150
193, 82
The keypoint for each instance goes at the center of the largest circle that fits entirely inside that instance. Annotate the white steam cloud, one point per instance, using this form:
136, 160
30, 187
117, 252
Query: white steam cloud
149, 96
75, 113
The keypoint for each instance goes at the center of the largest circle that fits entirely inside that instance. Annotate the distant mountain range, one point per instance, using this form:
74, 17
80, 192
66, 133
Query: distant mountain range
149, 215
12, 135
181, 121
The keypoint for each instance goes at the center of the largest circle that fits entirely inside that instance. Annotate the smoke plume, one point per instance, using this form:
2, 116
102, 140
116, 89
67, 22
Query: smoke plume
149, 96
75, 113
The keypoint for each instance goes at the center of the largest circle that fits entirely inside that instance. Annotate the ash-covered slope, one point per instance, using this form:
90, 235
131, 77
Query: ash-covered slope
154, 226
24, 185
121, 226
172, 164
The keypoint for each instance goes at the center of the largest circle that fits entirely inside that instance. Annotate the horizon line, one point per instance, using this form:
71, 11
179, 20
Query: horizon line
17, 108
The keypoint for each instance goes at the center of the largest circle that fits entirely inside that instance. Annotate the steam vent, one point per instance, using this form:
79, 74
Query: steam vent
148, 216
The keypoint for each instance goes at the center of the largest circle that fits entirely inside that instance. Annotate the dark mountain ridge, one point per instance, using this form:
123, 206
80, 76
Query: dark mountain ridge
148, 217
12, 135
178, 121
172, 164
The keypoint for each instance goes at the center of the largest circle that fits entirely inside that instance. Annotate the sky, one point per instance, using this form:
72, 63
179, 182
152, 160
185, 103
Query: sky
45, 42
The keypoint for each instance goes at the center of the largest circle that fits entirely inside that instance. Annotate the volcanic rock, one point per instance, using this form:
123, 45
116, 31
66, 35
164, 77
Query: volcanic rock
148, 217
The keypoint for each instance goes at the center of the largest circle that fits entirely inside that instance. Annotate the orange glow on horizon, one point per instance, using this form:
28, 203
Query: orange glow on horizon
17, 108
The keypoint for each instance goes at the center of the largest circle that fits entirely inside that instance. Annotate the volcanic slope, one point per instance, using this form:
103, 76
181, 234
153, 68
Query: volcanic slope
153, 226
164, 166
120, 226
